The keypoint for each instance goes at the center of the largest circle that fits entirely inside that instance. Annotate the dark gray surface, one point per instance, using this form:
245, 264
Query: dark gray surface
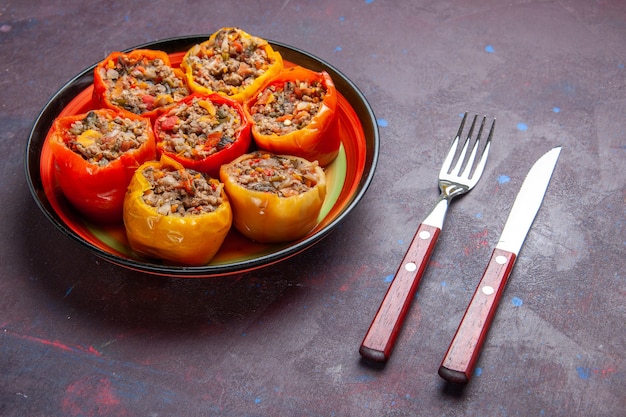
81, 337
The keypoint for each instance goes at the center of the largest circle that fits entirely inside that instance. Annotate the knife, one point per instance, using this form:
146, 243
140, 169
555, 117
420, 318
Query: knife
459, 362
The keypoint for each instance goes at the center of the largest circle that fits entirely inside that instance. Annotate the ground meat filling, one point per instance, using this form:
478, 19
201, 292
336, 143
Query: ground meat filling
284, 109
230, 62
181, 192
143, 85
199, 128
281, 175
100, 139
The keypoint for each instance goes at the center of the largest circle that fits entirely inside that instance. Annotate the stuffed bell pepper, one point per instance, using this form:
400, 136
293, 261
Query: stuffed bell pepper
295, 114
275, 198
232, 63
175, 214
95, 156
204, 132
141, 82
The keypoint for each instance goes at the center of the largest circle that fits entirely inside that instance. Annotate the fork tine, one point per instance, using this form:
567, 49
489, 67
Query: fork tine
459, 161
447, 163
460, 131
470, 161
483, 159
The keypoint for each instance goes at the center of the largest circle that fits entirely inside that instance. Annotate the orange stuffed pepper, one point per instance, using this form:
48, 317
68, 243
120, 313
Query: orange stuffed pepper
295, 114
140, 82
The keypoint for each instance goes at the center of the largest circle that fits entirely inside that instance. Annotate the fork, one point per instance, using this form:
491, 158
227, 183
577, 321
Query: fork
381, 336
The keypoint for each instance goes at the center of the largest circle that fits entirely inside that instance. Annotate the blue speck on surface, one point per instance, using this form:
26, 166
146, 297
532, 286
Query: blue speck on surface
620, 66
257, 400
382, 122
338, 48
517, 302
168, 397
583, 373
478, 371
389, 278
522, 126
69, 290
364, 378
443, 283
556, 109
342, 18
478, 215
503, 179
369, 1
489, 49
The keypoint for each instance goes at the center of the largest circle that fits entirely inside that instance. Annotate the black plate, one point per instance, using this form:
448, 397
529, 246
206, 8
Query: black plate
357, 102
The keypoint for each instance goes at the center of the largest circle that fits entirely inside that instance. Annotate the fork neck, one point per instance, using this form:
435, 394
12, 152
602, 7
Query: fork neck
438, 214
449, 190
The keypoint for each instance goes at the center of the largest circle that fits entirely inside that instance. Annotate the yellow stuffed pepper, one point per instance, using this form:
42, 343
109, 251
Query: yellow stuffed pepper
175, 214
232, 63
275, 198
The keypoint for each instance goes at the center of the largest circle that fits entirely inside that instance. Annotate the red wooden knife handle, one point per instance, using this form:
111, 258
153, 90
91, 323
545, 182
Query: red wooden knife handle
383, 331
459, 362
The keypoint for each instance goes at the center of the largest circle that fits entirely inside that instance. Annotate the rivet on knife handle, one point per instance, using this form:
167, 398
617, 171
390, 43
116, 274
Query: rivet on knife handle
383, 331
460, 360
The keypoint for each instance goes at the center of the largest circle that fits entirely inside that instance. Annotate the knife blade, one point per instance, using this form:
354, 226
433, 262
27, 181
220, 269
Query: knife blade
460, 360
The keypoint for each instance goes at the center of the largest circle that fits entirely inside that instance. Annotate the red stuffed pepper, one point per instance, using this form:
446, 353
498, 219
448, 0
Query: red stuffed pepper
295, 114
95, 156
140, 82
204, 132
275, 198
175, 214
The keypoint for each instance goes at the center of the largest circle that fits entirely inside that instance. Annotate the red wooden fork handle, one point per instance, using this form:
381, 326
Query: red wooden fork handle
381, 336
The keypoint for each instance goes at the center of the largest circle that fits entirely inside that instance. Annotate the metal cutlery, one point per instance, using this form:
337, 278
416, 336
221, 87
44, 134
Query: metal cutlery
460, 359
454, 180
